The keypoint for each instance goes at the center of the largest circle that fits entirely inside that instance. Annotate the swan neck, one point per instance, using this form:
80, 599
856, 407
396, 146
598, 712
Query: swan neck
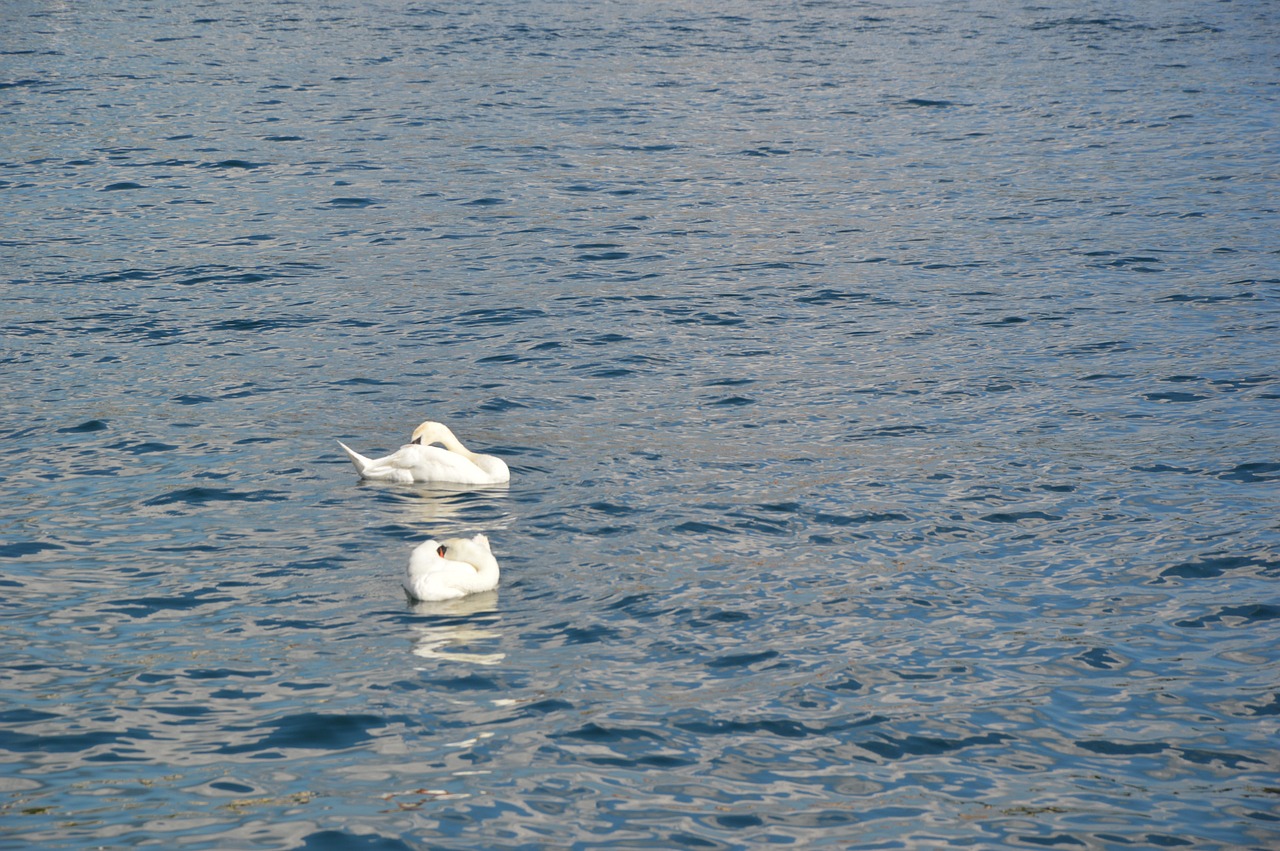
454, 445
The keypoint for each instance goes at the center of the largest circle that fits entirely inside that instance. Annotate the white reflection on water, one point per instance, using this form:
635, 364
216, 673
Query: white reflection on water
437, 640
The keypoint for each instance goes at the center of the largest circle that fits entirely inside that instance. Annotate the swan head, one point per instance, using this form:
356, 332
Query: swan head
431, 432
462, 549
429, 548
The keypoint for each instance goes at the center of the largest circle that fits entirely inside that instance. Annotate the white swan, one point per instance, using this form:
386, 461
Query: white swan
419, 461
451, 569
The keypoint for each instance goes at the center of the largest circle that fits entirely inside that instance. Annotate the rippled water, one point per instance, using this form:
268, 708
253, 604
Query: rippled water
890, 391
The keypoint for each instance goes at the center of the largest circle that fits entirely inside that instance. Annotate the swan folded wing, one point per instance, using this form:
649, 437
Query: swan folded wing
379, 472
433, 464
425, 589
442, 579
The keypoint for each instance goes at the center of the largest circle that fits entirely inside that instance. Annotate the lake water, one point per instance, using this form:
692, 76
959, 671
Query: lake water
890, 391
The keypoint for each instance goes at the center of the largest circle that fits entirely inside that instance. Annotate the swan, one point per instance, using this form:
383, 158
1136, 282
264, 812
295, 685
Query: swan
450, 569
419, 461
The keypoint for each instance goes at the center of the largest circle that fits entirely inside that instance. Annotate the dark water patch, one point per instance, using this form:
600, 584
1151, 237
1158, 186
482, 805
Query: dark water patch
206, 495
499, 316
1019, 516
222, 276
304, 566
262, 324
310, 731
1189, 298
469, 682
1253, 473
763, 525
185, 711
611, 509
714, 617
1233, 616
896, 748
594, 732
597, 371
697, 527
122, 186
1105, 347
1233, 384
546, 707
842, 520
1270, 708
893, 431
848, 684
926, 103
1100, 658
1174, 396
1107, 747
363, 382
704, 724
569, 633
1219, 759
85, 427
342, 840
186, 548
17, 742
510, 358
233, 165
1166, 468
24, 715
22, 549
1052, 841
499, 404
232, 787
141, 607
707, 318
642, 606
147, 447
601, 256
828, 296
298, 624
744, 660
350, 203
733, 402
225, 673
1212, 567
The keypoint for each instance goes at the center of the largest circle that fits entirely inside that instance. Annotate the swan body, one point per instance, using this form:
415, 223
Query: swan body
449, 569
420, 461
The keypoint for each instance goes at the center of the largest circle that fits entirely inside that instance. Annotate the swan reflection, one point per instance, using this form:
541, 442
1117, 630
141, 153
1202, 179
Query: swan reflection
440, 506
437, 640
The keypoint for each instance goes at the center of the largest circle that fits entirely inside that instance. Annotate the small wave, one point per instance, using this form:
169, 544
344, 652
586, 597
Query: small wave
205, 495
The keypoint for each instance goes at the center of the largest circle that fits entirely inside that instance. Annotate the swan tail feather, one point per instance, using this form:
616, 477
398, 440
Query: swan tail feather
361, 463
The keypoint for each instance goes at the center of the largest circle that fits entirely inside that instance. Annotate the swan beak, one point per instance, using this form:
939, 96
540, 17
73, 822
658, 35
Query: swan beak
440, 551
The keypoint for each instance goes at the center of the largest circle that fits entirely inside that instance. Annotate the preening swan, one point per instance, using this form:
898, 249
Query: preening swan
419, 461
450, 569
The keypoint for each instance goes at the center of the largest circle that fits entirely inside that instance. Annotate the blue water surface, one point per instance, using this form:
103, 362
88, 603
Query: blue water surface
890, 391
